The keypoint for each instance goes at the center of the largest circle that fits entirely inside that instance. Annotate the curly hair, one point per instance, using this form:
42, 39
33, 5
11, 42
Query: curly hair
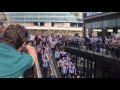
2, 28
15, 35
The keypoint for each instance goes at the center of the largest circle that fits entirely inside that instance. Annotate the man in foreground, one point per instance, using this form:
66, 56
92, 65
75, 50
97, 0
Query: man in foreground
13, 62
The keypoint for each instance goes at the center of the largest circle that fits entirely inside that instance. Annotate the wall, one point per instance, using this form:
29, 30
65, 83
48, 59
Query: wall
47, 24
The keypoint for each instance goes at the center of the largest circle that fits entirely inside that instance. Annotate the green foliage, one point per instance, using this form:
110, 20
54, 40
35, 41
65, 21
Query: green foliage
76, 35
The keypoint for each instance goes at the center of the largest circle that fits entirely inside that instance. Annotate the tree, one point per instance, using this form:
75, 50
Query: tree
76, 35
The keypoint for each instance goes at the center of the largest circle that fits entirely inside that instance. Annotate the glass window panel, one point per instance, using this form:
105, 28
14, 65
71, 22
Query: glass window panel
41, 16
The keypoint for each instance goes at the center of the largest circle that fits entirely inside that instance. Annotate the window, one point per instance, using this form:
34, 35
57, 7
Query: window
42, 24
42, 16
53, 24
35, 23
80, 24
73, 24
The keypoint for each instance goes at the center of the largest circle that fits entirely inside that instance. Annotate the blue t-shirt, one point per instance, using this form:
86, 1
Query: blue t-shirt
51, 77
39, 55
46, 38
13, 63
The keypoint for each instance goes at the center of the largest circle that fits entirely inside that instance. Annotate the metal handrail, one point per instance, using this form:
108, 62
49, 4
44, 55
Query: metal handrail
37, 67
101, 45
54, 65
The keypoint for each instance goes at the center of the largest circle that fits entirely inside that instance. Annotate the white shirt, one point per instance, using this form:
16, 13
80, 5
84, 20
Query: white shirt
45, 63
30, 37
78, 39
53, 44
47, 50
75, 38
61, 63
106, 41
57, 54
62, 52
39, 36
50, 38
96, 39
33, 37
56, 40
70, 38
69, 59
66, 58
71, 69
64, 70
91, 40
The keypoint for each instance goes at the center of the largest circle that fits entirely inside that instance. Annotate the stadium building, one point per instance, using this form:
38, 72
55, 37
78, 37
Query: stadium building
67, 23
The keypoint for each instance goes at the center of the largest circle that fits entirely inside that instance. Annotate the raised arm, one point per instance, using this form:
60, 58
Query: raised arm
32, 52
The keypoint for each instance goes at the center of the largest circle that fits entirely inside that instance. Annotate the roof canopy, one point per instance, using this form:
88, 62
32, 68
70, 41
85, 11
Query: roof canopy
43, 16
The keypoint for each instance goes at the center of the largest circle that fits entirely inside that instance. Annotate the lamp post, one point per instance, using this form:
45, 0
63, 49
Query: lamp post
84, 15
84, 31
76, 14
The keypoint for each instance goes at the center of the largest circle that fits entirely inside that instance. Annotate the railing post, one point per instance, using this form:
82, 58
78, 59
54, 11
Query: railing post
76, 61
84, 66
94, 70
87, 68
38, 70
91, 64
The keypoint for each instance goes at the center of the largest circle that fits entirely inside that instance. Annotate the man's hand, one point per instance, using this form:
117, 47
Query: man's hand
32, 52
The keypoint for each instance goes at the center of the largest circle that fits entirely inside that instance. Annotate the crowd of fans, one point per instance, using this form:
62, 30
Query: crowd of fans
16, 38
63, 60
43, 50
65, 64
109, 44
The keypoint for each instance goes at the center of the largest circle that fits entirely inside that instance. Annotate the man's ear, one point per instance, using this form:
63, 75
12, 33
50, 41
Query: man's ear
23, 45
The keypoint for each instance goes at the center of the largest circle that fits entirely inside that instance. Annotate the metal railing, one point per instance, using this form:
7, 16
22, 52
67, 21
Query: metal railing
106, 50
37, 68
53, 64
34, 71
